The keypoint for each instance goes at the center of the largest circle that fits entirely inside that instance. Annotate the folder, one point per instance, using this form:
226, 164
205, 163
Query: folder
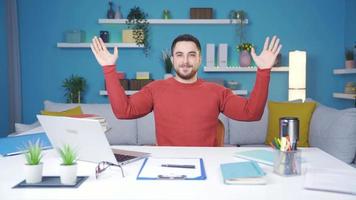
172, 169
242, 173
13, 145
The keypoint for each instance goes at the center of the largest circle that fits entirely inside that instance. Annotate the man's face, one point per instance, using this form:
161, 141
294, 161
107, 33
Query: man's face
186, 59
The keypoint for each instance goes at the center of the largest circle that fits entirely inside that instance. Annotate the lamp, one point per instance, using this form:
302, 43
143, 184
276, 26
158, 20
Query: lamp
297, 75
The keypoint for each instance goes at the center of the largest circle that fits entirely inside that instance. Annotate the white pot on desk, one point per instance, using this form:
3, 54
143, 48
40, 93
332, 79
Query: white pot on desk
33, 173
68, 174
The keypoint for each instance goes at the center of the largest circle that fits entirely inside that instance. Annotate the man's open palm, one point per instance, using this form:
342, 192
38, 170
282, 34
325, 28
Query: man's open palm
268, 55
101, 53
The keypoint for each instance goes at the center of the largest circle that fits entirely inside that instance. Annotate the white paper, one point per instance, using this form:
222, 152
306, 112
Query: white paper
153, 168
331, 180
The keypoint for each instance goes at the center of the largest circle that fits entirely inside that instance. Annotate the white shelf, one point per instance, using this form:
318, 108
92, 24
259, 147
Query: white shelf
344, 71
131, 92
242, 69
176, 21
128, 92
344, 96
87, 45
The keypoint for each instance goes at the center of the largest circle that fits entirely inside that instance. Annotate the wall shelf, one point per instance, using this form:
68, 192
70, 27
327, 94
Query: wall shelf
242, 69
131, 92
176, 21
87, 45
344, 71
344, 96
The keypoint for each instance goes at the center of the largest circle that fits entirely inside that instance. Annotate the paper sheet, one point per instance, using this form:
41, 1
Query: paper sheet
331, 180
153, 168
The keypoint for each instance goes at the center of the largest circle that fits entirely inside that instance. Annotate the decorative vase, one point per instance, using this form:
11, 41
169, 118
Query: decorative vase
168, 75
349, 64
118, 14
68, 174
33, 173
111, 13
245, 58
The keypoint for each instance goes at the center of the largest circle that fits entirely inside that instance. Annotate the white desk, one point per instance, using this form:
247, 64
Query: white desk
112, 186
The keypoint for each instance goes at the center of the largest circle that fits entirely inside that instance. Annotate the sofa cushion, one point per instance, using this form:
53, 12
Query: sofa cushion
303, 111
121, 132
334, 131
146, 131
225, 121
77, 110
253, 132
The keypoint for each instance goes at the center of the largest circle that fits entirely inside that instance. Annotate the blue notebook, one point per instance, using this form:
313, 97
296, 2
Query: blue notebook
259, 155
242, 173
18, 144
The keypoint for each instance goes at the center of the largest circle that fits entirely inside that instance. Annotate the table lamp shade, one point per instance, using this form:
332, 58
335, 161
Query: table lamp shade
297, 75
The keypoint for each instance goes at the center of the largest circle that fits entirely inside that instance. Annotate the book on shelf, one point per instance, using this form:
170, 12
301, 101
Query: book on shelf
249, 173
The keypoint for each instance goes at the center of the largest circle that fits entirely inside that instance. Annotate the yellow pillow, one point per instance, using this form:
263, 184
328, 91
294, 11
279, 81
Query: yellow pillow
70, 112
303, 111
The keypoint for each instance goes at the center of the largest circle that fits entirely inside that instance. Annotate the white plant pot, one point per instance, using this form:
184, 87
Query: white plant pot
68, 174
349, 64
168, 75
33, 173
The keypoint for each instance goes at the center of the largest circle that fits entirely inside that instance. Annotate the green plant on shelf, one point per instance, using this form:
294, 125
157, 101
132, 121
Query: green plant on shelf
75, 87
137, 20
349, 54
168, 65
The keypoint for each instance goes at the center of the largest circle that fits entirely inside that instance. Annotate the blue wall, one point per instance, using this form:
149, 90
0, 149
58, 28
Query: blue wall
305, 25
4, 119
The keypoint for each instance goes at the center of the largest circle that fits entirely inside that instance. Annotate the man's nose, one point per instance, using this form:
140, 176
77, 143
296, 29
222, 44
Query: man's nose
185, 59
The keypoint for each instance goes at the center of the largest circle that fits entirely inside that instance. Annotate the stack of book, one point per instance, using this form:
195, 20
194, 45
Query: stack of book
102, 120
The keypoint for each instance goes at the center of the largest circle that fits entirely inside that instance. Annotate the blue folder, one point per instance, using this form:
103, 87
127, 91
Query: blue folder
18, 144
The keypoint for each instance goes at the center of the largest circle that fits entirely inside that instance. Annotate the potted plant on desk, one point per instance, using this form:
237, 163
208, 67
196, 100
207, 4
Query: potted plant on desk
68, 168
34, 166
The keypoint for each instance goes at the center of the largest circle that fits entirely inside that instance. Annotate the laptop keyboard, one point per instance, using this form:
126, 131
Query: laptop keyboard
122, 158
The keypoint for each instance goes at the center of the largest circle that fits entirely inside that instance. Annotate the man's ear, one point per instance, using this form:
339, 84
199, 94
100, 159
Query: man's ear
172, 59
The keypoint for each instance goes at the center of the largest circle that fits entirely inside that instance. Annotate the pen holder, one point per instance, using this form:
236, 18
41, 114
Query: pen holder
287, 163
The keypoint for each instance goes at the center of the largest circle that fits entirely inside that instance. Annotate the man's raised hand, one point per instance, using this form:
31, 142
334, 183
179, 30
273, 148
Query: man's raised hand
268, 55
101, 53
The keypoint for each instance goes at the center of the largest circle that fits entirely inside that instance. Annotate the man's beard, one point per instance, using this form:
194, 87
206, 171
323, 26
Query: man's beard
186, 76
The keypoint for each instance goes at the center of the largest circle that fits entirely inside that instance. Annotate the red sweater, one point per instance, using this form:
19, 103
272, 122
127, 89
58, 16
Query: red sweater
186, 114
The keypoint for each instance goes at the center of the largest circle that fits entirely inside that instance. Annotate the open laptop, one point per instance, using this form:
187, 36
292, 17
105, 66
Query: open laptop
87, 137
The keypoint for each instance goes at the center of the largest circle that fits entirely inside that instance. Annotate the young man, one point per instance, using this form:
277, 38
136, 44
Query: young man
186, 108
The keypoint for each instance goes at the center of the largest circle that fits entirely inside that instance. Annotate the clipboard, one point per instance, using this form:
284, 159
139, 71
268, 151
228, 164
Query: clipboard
172, 169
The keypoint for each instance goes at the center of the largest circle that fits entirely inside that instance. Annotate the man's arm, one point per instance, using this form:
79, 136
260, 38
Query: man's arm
124, 107
248, 109
252, 109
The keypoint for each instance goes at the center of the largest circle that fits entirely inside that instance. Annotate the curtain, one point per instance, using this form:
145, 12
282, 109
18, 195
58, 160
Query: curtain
14, 66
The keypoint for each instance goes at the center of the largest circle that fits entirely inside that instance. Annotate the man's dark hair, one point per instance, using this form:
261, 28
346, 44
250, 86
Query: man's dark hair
185, 37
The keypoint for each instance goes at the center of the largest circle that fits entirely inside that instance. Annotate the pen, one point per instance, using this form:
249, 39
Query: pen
179, 166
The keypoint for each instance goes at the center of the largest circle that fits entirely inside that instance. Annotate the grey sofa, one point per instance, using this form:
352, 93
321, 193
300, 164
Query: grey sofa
333, 131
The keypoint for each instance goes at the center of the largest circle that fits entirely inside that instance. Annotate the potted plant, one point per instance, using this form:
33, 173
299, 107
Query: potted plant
68, 168
74, 88
244, 57
241, 17
34, 166
168, 65
349, 59
136, 20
